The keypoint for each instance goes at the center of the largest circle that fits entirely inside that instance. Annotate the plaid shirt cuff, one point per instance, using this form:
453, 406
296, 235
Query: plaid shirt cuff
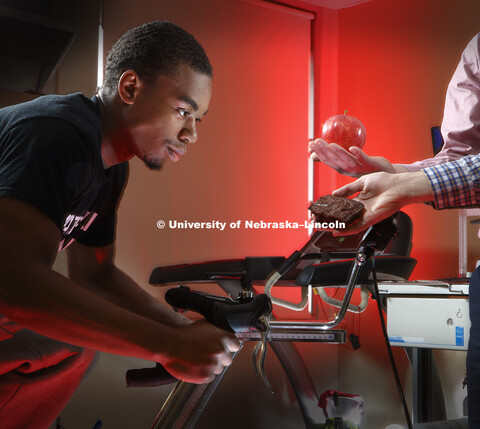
455, 184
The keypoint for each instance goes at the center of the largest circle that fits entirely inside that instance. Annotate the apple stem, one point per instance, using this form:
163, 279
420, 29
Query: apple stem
345, 112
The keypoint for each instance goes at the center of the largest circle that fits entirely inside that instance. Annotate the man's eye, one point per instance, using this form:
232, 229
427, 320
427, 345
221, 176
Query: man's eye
183, 113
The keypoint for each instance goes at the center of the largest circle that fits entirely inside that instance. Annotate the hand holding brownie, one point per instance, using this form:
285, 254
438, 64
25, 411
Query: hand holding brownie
383, 194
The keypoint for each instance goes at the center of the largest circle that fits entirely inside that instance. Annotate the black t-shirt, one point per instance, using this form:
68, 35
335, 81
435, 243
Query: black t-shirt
50, 157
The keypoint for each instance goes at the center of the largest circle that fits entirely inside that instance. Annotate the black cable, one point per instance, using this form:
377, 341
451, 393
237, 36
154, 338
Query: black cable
389, 348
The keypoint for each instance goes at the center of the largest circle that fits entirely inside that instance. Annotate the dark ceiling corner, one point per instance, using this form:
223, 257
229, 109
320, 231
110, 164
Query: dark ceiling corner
32, 44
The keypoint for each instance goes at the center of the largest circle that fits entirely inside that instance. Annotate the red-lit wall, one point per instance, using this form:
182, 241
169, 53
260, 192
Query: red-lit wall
395, 61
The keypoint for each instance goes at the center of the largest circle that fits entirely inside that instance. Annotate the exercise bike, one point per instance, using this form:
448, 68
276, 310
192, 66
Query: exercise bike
324, 261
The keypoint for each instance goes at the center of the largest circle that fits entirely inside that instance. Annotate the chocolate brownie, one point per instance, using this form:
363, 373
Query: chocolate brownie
330, 208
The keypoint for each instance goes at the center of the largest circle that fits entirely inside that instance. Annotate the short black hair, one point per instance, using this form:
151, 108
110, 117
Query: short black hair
152, 49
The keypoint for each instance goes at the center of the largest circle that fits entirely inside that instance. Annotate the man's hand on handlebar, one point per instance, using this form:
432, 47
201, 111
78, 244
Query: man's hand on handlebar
200, 352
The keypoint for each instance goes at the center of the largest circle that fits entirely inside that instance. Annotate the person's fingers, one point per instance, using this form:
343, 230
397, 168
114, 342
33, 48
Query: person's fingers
218, 370
223, 361
319, 147
199, 374
206, 379
231, 343
345, 160
362, 158
358, 153
226, 356
316, 144
324, 152
349, 189
335, 156
311, 152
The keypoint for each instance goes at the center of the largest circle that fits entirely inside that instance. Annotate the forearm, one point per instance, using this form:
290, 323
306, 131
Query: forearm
114, 285
456, 184
412, 187
40, 299
399, 168
50, 304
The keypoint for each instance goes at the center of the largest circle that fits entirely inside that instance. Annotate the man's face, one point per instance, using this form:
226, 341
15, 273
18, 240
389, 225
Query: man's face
164, 118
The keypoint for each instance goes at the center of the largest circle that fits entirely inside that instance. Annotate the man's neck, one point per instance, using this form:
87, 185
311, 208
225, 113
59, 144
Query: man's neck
114, 140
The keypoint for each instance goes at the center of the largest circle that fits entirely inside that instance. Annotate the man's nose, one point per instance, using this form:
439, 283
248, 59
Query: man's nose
189, 132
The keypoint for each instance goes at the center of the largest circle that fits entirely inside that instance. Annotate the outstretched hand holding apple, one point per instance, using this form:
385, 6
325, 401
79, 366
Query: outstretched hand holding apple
340, 145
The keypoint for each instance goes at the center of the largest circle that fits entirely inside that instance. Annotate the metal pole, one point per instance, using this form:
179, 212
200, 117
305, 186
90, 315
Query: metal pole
185, 403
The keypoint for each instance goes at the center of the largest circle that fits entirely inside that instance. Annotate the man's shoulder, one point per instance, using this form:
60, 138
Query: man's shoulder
75, 109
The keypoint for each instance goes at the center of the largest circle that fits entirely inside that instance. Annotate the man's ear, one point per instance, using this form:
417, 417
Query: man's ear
129, 86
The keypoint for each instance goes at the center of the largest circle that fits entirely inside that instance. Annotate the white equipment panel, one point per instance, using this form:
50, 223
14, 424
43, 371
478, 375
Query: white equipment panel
427, 314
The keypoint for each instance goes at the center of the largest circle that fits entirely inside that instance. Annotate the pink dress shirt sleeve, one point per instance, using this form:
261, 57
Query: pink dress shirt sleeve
461, 118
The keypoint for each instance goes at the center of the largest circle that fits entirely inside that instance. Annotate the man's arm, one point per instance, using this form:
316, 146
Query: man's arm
451, 185
35, 296
94, 268
461, 116
383, 194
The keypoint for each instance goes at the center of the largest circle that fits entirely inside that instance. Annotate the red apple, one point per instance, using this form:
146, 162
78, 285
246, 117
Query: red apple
344, 130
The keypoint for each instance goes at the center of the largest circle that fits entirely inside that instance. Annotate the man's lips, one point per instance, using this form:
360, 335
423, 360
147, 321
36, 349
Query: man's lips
175, 153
